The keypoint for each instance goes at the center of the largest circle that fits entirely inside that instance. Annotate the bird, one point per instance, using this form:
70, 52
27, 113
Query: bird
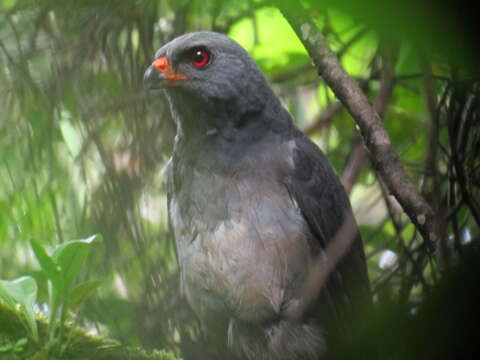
271, 259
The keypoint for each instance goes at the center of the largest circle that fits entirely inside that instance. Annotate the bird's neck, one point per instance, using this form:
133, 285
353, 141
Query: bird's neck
224, 126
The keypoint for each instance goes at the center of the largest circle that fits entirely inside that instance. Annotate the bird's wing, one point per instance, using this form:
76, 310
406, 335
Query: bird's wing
341, 275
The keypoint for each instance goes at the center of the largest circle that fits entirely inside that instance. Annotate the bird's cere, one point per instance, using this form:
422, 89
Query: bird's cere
163, 65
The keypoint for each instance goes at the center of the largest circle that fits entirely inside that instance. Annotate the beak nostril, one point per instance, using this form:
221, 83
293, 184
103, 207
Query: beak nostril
161, 64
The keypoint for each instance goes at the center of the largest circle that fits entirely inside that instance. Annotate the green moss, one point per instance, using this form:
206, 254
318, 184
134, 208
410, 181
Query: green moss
76, 344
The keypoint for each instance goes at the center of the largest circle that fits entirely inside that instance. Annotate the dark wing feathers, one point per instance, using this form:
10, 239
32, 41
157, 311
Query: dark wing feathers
317, 190
324, 204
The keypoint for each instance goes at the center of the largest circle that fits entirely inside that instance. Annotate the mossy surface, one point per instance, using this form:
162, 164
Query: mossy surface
75, 344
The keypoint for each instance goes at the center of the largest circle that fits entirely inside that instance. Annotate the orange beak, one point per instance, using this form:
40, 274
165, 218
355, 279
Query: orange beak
163, 65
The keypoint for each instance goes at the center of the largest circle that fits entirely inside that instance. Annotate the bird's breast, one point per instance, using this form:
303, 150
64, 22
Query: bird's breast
241, 243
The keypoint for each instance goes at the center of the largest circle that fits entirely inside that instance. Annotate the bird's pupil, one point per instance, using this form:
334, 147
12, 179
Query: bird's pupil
199, 56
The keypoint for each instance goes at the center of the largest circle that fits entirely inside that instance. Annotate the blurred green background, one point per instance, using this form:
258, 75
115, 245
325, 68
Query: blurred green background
83, 145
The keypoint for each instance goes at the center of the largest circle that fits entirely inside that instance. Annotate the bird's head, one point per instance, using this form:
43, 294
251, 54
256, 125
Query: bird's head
209, 71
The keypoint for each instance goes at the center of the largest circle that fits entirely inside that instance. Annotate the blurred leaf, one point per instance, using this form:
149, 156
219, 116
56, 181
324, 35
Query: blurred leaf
8, 4
277, 43
407, 62
48, 266
19, 345
70, 257
82, 291
22, 291
5, 348
357, 59
408, 231
71, 135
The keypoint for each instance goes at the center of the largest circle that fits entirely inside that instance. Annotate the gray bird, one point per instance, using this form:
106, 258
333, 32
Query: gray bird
271, 259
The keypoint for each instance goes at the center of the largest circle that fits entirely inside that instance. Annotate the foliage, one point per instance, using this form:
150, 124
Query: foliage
58, 340
15, 343
61, 268
22, 291
83, 146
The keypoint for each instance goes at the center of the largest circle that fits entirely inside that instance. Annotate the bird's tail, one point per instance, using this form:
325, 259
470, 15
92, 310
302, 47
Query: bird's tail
281, 340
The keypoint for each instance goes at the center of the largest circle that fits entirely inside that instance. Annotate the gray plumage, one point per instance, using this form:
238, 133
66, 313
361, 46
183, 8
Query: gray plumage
254, 206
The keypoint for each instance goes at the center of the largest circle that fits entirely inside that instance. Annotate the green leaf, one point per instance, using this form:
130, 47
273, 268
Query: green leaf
82, 291
276, 39
21, 342
5, 348
71, 135
22, 292
48, 266
8, 4
70, 257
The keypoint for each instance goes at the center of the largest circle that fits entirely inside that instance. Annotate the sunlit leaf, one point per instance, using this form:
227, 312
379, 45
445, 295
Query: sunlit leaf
8, 4
70, 257
276, 39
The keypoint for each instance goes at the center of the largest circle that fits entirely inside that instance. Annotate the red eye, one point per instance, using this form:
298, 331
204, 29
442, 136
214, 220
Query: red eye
201, 57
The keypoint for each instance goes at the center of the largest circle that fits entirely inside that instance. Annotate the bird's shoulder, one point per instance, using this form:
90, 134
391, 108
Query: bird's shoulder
316, 188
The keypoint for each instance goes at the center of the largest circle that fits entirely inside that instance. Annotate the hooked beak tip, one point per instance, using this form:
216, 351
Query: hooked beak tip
153, 79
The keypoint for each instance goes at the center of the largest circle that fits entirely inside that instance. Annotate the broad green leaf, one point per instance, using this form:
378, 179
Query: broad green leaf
48, 266
70, 257
23, 292
82, 291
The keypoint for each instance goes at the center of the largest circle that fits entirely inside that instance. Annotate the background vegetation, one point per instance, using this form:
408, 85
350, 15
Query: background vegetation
82, 145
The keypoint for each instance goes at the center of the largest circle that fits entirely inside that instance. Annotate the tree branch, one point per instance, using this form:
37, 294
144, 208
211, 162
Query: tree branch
384, 158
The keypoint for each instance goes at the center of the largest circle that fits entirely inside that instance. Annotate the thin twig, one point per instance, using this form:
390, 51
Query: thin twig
324, 118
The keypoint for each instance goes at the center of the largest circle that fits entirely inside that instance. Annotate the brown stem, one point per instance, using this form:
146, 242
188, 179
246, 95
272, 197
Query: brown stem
384, 157
431, 182
355, 161
324, 118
